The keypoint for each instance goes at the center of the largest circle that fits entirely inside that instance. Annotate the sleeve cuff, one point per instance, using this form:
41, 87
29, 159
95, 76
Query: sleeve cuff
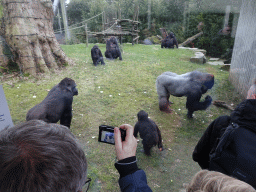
127, 166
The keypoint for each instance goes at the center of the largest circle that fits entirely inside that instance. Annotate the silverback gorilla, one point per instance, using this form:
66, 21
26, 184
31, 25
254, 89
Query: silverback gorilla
192, 85
149, 132
169, 41
57, 105
112, 49
97, 55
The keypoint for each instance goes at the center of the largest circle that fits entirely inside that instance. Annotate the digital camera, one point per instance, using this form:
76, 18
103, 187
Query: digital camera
106, 134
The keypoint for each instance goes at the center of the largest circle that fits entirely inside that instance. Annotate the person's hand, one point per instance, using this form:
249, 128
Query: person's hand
128, 147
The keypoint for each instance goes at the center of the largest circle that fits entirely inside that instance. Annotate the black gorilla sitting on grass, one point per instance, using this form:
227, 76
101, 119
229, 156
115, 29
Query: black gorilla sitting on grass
97, 55
192, 85
169, 41
149, 132
112, 49
57, 105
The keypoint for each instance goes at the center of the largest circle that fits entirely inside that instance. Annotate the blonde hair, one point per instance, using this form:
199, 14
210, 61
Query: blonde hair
251, 94
212, 181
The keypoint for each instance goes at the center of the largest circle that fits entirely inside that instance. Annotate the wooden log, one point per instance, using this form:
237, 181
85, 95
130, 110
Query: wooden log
136, 38
190, 39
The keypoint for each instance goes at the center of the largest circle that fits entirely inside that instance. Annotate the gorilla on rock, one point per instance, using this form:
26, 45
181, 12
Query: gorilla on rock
57, 105
192, 85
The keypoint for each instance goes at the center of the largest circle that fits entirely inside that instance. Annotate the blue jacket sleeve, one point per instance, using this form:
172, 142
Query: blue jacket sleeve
135, 182
132, 179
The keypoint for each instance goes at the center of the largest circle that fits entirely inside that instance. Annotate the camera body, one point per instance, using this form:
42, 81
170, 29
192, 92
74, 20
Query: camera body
106, 134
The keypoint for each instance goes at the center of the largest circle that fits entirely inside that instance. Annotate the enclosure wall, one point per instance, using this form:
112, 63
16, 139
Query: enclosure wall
243, 64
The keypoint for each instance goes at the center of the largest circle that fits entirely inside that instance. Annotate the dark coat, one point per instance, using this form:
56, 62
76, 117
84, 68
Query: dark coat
244, 115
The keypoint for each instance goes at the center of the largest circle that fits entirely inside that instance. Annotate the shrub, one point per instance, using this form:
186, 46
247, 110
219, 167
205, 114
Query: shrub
213, 23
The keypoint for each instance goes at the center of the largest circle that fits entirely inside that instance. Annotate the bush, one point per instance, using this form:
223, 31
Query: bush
214, 44
177, 29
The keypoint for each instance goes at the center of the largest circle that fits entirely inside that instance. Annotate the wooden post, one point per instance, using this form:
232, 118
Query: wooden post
59, 20
149, 14
103, 21
65, 21
137, 40
86, 33
184, 15
228, 7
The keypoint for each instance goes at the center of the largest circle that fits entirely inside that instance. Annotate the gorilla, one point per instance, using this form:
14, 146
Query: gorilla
97, 55
112, 49
149, 132
109, 137
192, 85
169, 41
57, 105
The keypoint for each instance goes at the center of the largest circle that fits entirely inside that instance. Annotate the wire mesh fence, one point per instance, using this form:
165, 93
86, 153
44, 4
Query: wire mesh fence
84, 26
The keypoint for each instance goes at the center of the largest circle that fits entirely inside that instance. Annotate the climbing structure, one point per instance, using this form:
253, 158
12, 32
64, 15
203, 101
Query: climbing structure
113, 26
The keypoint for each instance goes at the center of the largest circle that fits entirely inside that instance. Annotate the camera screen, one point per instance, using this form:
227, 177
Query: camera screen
107, 137
106, 134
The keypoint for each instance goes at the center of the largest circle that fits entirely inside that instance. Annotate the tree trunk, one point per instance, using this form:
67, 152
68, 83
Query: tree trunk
28, 30
3, 58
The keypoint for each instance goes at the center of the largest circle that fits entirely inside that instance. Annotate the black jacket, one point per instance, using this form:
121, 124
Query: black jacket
244, 115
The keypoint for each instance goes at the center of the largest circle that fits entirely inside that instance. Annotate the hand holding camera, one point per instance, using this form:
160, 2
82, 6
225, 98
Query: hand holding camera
127, 148
123, 139
106, 134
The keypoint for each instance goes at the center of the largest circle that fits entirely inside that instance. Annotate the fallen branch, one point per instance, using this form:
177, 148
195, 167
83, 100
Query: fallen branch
190, 39
219, 103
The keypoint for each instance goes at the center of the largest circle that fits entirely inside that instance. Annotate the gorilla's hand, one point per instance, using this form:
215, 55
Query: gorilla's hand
208, 100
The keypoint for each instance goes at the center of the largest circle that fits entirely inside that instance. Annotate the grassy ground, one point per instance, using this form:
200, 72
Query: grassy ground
113, 94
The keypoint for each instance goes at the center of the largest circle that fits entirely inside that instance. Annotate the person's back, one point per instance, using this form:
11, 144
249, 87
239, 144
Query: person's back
41, 157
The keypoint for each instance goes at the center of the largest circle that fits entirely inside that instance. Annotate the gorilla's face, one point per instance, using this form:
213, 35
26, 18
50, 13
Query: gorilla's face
209, 81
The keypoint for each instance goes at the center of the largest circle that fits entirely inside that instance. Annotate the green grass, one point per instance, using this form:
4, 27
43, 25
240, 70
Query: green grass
113, 94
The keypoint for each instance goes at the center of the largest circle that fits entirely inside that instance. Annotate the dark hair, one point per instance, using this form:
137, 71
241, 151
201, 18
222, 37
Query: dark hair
39, 157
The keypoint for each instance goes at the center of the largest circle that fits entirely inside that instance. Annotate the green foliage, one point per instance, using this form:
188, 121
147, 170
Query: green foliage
154, 40
1, 12
113, 94
177, 29
215, 45
77, 11
164, 13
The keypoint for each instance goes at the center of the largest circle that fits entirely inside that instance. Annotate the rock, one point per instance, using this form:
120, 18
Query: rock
199, 58
216, 63
147, 42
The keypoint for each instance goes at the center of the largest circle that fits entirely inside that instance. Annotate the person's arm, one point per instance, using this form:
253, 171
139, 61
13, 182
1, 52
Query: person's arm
132, 179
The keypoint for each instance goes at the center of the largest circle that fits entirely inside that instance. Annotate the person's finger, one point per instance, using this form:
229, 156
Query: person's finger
129, 130
117, 137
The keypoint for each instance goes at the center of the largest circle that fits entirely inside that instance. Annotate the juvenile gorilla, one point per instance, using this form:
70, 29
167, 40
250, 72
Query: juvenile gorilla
192, 85
97, 55
149, 132
169, 41
112, 49
57, 105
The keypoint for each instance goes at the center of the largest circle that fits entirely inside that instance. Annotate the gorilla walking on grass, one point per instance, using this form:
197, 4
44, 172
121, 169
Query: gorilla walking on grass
97, 55
192, 85
112, 49
149, 132
169, 41
57, 105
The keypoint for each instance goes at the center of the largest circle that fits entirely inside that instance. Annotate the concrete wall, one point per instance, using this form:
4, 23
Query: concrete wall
243, 63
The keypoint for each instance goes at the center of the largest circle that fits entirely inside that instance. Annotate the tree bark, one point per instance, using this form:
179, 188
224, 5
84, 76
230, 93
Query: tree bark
3, 58
28, 30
